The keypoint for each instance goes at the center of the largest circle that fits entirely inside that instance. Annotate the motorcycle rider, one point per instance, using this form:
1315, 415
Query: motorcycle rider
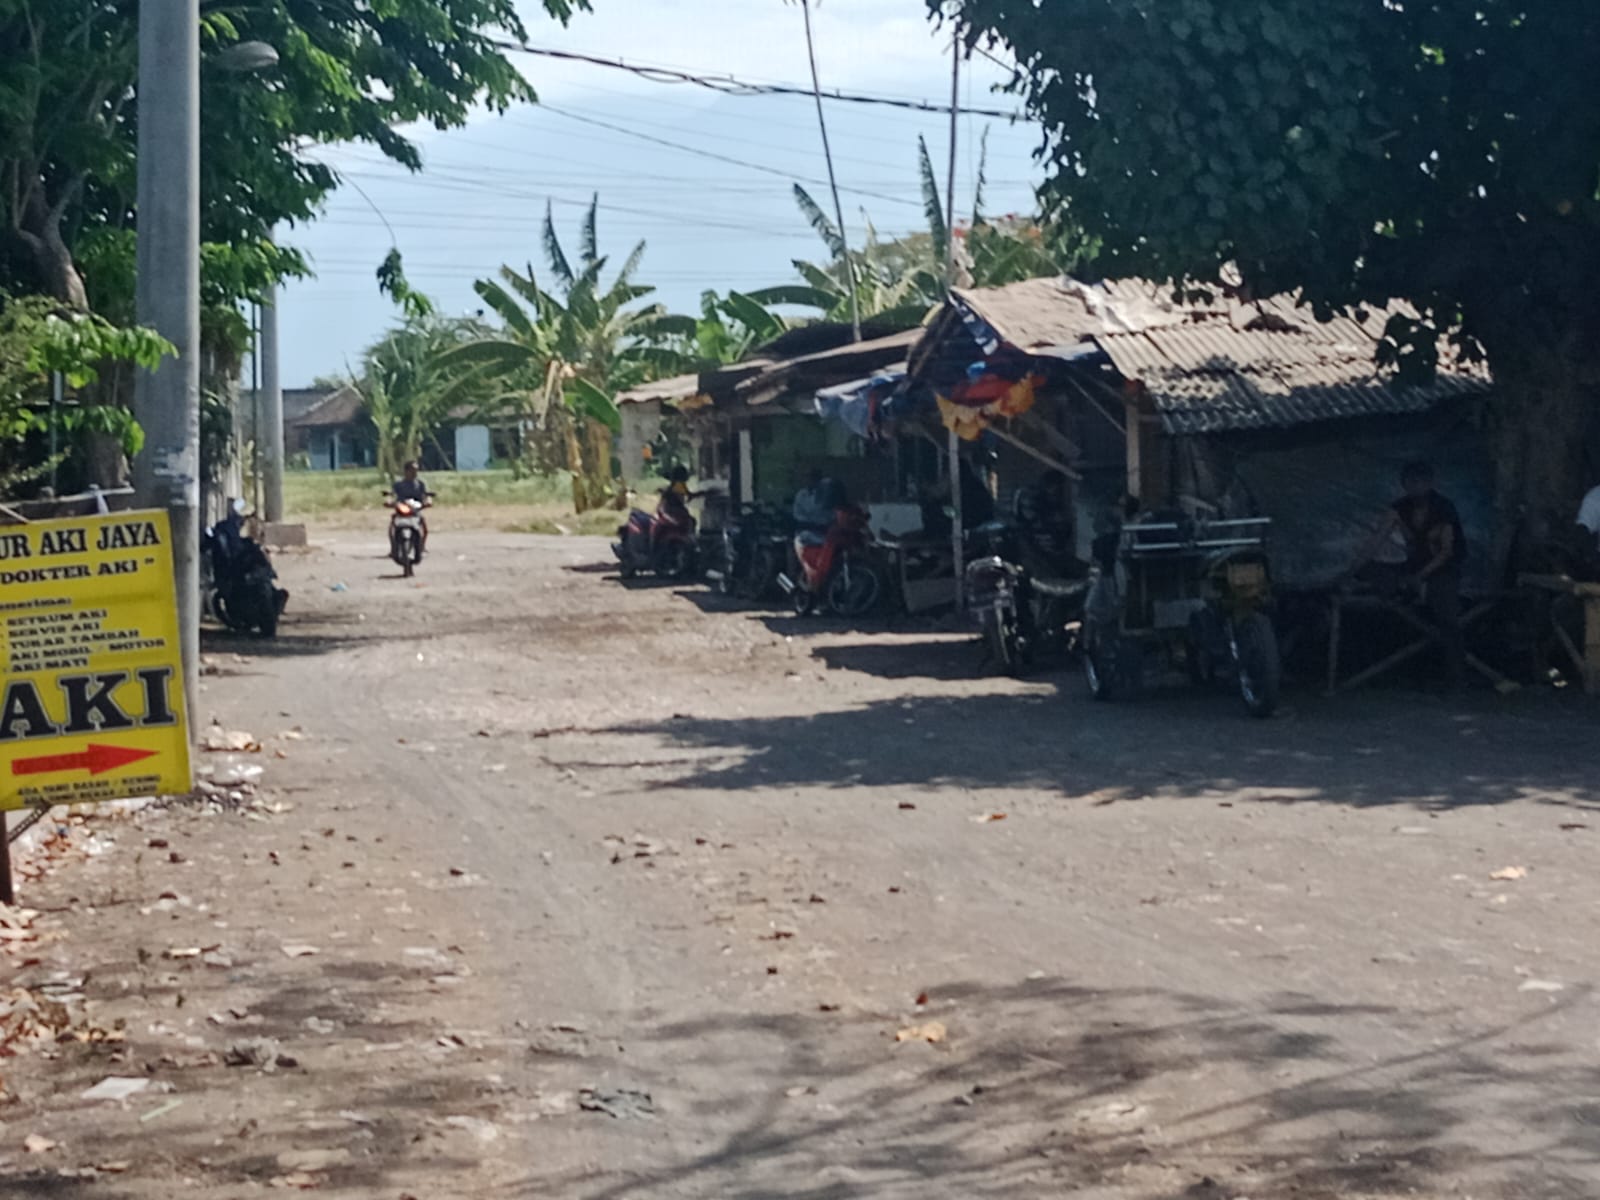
817, 502
673, 511
411, 488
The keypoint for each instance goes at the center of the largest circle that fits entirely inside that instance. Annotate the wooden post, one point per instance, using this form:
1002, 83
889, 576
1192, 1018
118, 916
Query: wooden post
956, 526
8, 891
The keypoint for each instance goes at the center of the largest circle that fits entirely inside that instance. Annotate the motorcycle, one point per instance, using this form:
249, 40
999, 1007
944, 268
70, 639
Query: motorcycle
405, 532
1019, 613
242, 590
665, 546
754, 546
835, 569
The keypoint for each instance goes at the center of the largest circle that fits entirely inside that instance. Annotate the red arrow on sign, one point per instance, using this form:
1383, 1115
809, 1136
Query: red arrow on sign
95, 759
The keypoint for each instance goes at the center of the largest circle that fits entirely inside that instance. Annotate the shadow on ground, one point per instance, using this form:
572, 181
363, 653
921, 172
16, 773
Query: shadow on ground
1370, 750
1052, 1088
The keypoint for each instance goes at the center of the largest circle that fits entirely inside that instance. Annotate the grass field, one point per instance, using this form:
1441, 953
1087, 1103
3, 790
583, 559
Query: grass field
493, 499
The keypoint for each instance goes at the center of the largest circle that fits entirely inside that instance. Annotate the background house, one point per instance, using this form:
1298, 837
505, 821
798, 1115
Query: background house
332, 432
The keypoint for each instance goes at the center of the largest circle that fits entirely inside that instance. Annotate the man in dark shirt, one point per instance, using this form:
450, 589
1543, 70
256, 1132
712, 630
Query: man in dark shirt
1435, 548
411, 488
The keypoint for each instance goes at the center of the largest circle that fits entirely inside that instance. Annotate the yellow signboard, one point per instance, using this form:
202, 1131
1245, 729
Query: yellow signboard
93, 702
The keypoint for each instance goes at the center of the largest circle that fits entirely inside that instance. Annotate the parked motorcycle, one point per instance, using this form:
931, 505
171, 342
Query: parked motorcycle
406, 538
1020, 614
836, 570
754, 547
664, 546
242, 590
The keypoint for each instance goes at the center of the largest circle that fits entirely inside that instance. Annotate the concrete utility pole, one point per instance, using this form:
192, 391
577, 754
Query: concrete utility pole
167, 400
271, 430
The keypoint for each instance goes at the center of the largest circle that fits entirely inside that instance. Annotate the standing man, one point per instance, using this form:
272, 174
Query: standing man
1435, 549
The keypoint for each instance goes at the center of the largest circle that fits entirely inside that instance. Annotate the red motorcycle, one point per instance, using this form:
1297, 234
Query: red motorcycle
835, 570
665, 545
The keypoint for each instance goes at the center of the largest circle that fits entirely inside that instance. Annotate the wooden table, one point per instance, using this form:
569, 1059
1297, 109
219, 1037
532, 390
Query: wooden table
1586, 660
1407, 615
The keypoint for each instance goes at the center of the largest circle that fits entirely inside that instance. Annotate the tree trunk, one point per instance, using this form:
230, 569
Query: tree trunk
40, 230
1543, 416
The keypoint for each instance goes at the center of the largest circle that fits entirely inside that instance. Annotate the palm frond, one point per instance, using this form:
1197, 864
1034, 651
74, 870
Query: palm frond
830, 233
505, 307
590, 247
800, 295
559, 266
932, 204
762, 323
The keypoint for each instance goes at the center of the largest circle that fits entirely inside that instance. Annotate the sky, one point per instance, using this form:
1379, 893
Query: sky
726, 221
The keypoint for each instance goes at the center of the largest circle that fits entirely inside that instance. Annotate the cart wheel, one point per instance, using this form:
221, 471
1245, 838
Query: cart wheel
1255, 652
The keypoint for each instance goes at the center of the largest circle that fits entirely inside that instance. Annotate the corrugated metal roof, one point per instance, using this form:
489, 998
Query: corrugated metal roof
678, 387
1214, 376
1042, 315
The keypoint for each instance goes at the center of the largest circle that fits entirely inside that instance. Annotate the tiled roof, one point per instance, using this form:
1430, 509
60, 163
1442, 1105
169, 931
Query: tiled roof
341, 408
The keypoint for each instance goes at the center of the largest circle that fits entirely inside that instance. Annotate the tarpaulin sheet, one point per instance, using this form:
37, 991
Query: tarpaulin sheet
1325, 498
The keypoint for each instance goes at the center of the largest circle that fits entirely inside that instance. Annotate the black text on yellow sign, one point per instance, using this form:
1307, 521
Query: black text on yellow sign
92, 707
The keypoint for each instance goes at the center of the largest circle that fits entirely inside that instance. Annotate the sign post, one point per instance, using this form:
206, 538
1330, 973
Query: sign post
93, 706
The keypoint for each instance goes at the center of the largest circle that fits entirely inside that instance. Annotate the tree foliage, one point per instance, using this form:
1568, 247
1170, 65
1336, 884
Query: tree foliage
561, 356
38, 338
409, 388
1353, 150
898, 280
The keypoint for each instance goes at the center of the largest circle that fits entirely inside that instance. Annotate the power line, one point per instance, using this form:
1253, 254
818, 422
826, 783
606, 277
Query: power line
715, 157
728, 85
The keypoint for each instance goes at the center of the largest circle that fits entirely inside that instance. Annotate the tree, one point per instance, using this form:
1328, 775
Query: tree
730, 327
39, 338
1353, 151
900, 280
562, 357
409, 389
346, 72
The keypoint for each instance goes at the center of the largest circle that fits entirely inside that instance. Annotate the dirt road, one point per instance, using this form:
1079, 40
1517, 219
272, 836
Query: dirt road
593, 892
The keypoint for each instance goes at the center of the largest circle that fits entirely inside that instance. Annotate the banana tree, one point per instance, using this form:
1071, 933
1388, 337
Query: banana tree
562, 355
900, 279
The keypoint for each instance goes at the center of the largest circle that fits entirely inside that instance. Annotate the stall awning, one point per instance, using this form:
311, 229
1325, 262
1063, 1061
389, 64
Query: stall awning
857, 405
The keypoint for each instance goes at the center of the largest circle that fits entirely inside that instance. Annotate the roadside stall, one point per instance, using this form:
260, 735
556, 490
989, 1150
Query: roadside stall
1263, 411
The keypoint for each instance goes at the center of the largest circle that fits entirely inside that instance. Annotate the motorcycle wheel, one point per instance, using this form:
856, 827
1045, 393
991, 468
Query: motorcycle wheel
268, 625
1255, 653
804, 602
1099, 666
1000, 642
854, 588
680, 561
626, 571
